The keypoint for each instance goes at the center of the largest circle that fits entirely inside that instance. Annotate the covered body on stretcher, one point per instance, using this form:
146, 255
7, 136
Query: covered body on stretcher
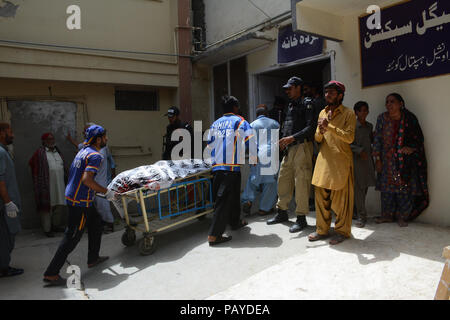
154, 178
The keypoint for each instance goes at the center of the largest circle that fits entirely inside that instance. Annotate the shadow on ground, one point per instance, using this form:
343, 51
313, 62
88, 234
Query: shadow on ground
171, 245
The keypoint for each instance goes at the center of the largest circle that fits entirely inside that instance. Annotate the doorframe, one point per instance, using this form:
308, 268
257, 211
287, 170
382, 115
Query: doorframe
253, 77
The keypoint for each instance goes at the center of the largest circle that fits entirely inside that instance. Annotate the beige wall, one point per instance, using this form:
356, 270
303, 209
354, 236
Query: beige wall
201, 97
125, 128
132, 25
224, 18
427, 98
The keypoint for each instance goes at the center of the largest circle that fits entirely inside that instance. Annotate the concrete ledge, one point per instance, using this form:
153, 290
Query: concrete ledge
443, 290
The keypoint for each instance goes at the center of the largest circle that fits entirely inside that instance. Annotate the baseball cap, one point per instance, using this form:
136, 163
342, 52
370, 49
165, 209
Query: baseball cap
173, 111
92, 132
294, 81
339, 86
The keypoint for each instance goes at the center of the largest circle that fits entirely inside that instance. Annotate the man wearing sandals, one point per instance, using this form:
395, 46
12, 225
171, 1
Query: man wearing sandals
333, 173
263, 176
80, 195
225, 138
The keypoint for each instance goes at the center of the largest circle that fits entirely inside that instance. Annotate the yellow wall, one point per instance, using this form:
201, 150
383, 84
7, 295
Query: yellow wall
132, 25
125, 128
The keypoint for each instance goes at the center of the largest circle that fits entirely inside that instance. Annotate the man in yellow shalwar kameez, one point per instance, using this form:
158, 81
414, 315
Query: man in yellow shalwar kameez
333, 173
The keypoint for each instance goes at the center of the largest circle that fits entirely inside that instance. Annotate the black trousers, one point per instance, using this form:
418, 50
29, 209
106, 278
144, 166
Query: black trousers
227, 198
7, 241
77, 220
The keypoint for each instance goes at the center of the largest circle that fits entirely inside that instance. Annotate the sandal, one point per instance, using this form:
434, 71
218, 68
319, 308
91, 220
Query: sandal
11, 272
241, 224
360, 223
263, 213
219, 239
402, 223
59, 282
316, 237
247, 207
380, 220
337, 239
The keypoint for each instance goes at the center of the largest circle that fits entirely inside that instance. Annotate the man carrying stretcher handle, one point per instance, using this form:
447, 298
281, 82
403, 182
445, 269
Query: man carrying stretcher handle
80, 193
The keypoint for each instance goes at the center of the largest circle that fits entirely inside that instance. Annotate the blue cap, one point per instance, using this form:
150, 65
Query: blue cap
174, 111
92, 132
294, 81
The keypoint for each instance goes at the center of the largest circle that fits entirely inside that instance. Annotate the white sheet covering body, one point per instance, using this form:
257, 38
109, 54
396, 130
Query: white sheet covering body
154, 177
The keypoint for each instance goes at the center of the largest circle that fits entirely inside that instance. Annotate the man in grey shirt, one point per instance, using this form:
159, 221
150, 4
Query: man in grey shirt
9, 203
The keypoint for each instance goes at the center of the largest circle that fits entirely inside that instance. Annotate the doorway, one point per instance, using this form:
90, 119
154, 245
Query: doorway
230, 78
270, 83
29, 120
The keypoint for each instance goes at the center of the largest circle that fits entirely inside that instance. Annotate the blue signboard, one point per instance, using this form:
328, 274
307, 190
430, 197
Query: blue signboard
412, 42
294, 46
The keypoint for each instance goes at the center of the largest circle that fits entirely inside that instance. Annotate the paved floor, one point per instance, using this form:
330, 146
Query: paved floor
261, 262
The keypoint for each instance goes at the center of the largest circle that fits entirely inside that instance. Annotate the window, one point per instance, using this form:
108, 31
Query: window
137, 100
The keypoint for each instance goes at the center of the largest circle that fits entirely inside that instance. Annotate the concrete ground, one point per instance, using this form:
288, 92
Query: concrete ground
261, 262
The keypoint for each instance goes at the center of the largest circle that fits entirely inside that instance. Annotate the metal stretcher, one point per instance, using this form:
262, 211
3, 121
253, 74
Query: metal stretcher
185, 200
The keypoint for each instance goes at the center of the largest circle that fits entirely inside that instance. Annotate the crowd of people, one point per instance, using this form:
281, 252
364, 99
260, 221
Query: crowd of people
330, 147
328, 152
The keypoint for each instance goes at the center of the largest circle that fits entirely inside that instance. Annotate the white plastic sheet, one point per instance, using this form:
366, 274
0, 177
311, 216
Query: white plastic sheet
154, 177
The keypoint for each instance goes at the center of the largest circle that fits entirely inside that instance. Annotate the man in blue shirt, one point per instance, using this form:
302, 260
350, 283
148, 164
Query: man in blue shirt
226, 138
258, 178
80, 194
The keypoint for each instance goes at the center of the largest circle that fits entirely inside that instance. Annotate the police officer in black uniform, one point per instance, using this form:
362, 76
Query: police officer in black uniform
296, 141
173, 114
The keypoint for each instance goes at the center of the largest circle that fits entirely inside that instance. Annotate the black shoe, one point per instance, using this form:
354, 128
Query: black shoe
99, 260
280, 217
10, 272
299, 225
50, 234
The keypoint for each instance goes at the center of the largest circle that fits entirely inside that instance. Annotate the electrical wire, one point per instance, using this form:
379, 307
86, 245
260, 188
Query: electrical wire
92, 49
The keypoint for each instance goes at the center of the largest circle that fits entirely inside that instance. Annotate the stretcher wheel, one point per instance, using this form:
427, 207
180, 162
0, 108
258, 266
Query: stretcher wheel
147, 245
129, 238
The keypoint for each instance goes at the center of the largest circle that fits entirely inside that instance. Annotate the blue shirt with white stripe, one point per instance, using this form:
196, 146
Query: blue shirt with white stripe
226, 141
